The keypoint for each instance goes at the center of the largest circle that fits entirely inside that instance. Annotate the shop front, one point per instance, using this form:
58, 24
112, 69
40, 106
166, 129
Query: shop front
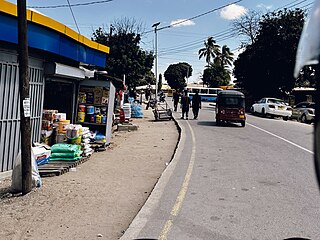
56, 56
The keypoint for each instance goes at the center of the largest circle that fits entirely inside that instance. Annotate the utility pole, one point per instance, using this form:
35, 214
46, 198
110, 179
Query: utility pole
25, 128
156, 55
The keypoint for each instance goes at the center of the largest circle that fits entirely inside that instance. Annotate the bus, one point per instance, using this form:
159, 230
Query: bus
206, 94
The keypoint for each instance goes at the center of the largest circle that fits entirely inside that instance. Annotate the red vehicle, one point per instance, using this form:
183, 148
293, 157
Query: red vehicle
230, 107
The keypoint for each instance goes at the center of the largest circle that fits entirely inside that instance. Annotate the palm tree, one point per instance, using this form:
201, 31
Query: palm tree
210, 51
225, 58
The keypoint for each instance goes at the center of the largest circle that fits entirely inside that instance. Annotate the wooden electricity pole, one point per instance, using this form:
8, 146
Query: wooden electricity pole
25, 128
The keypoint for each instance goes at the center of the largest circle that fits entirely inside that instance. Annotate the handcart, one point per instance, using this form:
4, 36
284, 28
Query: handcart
162, 111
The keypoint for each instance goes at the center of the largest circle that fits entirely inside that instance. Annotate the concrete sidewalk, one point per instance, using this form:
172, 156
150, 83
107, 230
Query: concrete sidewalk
101, 197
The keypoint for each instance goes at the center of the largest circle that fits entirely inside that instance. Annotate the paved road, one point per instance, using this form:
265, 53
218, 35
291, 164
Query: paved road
231, 183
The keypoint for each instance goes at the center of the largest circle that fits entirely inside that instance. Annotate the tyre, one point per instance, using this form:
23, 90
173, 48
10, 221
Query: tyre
263, 112
304, 119
218, 122
285, 118
252, 110
243, 123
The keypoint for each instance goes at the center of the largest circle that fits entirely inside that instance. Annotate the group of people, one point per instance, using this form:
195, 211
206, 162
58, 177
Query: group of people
186, 103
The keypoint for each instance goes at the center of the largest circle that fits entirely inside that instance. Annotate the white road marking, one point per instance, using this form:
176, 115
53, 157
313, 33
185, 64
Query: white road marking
182, 193
281, 138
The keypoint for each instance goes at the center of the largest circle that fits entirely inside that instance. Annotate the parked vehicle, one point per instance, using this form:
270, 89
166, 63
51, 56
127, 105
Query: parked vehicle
230, 107
304, 112
272, 107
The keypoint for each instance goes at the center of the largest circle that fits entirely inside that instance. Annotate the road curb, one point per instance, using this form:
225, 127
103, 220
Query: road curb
152, 202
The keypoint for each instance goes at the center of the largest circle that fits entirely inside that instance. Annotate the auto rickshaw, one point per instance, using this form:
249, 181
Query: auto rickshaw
230, 107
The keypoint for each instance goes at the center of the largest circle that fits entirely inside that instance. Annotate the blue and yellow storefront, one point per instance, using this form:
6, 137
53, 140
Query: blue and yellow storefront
56, 54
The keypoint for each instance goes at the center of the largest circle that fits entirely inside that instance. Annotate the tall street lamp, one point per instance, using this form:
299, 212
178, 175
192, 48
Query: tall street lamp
156, 54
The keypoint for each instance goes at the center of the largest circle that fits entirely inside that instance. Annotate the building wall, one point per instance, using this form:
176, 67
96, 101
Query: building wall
10, 107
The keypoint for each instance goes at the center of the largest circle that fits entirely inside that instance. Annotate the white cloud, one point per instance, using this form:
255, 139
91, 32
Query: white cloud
261, 5
181, 22
233, 11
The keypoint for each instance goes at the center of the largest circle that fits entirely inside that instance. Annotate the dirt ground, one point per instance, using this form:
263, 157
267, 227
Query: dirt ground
100, 198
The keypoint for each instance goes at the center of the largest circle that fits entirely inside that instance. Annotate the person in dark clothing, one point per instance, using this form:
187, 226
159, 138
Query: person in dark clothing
196, 105
185, 103
176, 98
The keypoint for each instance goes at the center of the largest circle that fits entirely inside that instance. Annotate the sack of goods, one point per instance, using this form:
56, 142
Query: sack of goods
136, 110
65, 152
86, 148
16, 177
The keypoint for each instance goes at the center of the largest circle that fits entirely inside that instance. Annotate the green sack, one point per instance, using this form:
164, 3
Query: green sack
66, 154
64, 159
65, 148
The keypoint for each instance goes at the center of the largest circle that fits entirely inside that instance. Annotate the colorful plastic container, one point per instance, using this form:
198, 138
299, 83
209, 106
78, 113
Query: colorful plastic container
81, 116
90, 109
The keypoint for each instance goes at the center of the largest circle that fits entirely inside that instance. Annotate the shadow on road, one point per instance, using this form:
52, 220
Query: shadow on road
206, 123
213, 123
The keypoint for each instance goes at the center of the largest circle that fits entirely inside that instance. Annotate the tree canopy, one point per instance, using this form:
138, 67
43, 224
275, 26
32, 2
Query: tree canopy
210, 51
216, 75
248, 26
176, 75
216, 72
266, 66
126, 56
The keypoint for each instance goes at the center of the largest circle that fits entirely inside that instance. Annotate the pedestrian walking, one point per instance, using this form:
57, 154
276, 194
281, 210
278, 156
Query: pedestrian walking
196, 105
176, 98
185, 104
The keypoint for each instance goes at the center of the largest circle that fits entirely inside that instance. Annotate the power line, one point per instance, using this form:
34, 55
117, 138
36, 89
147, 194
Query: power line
224, 35
72, 5
292, 4
287, 4
200, 41
197, 16
75, 21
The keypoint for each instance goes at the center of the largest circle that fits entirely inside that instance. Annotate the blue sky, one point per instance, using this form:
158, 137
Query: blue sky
176, 44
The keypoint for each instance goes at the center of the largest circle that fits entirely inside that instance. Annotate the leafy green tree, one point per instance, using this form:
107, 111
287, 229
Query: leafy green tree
225, 58
126, 56
265, 68
176, 75
210, 51
216, 75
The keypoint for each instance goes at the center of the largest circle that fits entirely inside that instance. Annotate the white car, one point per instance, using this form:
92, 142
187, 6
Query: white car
272, 107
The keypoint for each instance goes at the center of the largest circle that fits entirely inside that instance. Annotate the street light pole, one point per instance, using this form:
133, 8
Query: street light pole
156, 54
